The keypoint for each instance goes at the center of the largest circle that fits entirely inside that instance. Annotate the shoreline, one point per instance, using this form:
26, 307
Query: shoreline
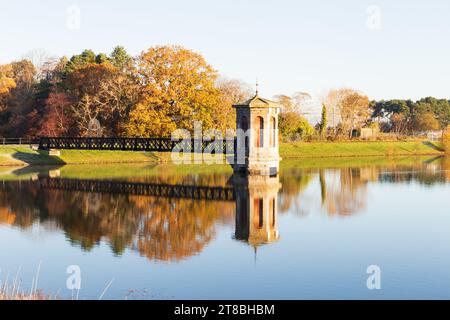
25, 156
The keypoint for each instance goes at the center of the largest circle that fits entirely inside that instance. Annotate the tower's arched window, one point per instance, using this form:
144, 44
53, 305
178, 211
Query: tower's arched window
259, 124
273, 135
258, 213
272, 213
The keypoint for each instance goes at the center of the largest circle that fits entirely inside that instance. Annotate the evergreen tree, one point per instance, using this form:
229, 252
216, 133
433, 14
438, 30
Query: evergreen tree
324, 121
120, 58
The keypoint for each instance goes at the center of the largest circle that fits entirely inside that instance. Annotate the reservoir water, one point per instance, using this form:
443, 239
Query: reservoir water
198, 232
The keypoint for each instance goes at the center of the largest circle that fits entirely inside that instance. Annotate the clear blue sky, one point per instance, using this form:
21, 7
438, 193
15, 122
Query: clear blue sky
289, 45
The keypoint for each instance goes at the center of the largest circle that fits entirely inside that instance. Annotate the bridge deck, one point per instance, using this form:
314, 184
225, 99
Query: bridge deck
138, 144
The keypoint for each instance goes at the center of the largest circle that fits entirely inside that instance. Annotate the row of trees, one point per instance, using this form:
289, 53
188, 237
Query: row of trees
168, 87
343, 111
346, 110
165, 88
406, 116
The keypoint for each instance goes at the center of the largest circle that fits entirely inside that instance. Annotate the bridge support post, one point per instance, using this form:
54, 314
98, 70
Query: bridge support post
257, 147
54, 152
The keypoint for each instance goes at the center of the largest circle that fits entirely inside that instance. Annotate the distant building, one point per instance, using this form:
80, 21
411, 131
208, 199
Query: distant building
366, 133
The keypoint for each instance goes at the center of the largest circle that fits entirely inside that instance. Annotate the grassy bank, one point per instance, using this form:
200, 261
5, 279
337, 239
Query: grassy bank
358, 149
23, 155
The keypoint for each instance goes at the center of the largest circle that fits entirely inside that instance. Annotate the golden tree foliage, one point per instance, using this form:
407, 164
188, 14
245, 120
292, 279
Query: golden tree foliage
298, 103
178, 88
144, 122
231, 92
426, 121
6, 84
101, 92
333, 101
88, 79
446, 140
17, 83
355, 111
6, 81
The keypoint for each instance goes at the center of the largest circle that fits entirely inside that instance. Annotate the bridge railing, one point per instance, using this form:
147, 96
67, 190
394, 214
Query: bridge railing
138, 144
141, 189
18, 141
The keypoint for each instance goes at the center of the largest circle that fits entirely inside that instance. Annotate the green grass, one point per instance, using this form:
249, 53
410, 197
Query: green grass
23, 155
358, 149
97, 156
113, 171
355, 162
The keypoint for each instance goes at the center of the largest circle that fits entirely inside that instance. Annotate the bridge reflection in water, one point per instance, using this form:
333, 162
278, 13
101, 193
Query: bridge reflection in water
140, 189
162, 221
255, 198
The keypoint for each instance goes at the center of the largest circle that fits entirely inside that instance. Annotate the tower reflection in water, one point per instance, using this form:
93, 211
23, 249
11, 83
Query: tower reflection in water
256, 209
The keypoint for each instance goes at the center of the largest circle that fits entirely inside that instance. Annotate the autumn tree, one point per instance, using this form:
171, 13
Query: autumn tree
395, 113
426, 122
90, 87
231, 92
84, 85
56, 120
286, 103
43, 62
333, 101
294, 127
178, 88
403, 116
18, 92
399, 123
302, 102
440, 108
355, 112
446, 140
6, 84
299, 102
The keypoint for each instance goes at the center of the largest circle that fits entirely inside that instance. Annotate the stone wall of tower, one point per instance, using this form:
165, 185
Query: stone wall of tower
262, 155
241, 164
264, 160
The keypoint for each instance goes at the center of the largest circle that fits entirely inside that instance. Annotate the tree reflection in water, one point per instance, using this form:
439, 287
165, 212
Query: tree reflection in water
159, 228
171, 229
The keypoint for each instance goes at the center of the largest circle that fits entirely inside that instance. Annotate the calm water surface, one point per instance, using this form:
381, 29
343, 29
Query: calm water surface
309, 233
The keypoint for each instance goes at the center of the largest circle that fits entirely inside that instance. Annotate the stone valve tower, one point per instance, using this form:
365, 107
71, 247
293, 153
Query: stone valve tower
257, 137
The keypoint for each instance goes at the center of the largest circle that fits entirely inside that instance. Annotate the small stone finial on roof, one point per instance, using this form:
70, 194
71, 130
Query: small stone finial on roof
257, 85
